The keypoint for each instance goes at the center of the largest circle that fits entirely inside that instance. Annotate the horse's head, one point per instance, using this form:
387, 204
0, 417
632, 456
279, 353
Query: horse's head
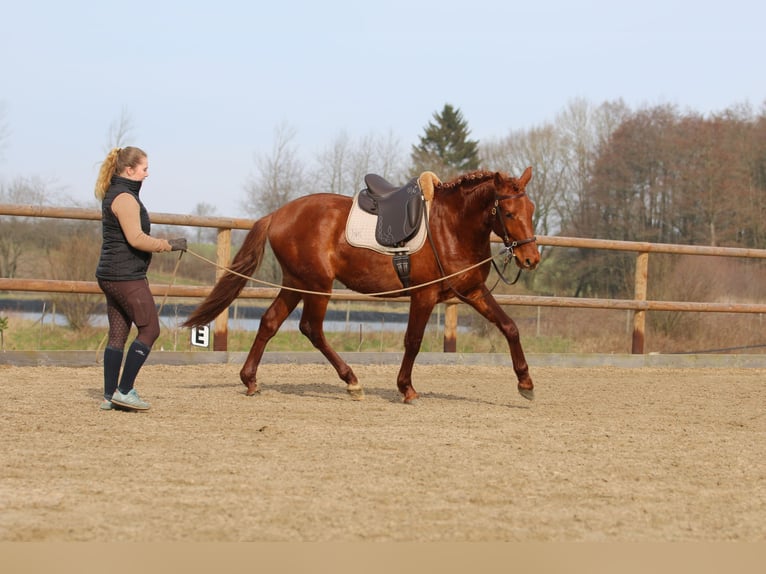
512, 218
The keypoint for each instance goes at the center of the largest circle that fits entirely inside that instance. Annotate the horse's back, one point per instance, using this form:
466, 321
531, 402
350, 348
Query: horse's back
309, 227
304, 215
315, 201
308, 237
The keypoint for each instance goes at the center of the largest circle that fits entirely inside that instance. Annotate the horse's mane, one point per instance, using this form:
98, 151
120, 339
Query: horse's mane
467, 179
473, 182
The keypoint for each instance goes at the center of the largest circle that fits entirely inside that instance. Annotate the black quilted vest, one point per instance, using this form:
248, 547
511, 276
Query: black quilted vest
119, 261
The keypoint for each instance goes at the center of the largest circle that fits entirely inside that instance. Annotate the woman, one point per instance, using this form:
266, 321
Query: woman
126, 252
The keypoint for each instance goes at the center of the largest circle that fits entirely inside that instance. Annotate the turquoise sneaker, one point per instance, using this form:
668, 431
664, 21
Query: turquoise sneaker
106, 405
130, 400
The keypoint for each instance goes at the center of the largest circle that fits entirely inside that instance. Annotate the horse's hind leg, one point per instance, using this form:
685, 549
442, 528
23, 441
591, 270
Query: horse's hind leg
272, 319
311, 325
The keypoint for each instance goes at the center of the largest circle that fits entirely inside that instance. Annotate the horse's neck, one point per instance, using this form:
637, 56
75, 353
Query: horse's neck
466, 212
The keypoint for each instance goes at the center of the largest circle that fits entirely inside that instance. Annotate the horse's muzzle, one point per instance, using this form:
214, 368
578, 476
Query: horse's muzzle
527, 262
530, 264
525, 253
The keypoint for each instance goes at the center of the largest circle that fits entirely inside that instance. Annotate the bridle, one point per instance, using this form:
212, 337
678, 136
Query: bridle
495, 212
507, 242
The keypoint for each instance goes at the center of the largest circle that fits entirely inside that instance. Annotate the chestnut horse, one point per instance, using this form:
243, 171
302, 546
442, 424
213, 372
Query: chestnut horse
308, 239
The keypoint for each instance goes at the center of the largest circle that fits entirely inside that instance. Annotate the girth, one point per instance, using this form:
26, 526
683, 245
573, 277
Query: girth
399, 209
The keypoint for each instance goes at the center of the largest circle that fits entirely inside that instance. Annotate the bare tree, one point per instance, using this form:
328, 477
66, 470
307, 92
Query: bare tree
363, 161
205, 234
583, 130
390, 158
334, 163
280, 175
279, 179
119, 131
17, 233
540, 148
83, 238
343, 165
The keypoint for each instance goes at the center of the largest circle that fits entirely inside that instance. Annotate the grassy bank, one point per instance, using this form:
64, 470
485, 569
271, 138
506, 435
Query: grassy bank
25, 335
543, 330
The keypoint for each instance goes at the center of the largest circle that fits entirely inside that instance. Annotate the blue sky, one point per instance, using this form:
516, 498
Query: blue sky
206, 83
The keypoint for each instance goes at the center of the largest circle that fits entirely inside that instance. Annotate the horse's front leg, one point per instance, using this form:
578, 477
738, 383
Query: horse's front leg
483, 301
420, 311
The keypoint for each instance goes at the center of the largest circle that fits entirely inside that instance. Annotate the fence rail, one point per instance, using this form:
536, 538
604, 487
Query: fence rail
639, 304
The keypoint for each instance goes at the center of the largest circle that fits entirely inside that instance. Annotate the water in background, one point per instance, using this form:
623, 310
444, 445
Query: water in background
172, 316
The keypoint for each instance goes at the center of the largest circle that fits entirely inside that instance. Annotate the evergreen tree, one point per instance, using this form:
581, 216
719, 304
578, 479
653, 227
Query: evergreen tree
445, 148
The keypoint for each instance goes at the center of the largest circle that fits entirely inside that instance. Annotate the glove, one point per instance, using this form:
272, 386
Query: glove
178, 244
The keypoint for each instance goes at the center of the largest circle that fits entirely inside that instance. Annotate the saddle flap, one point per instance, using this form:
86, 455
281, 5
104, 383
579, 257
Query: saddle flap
414, 212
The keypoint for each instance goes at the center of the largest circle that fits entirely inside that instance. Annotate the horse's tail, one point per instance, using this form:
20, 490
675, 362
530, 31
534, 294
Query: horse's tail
230, 285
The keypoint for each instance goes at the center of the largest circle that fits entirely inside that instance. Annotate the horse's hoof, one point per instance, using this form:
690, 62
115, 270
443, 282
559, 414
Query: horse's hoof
252, 389
528, 394
356, 391
413, 400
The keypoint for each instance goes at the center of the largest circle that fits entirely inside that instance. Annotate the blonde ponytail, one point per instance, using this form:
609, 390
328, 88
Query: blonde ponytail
117, 161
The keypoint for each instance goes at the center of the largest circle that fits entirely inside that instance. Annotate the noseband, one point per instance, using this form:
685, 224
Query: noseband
495, 212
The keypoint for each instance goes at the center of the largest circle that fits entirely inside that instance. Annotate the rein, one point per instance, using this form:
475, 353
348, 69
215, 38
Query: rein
308, 292
172, 282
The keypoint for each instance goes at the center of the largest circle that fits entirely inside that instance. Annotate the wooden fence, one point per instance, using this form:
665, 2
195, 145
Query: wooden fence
639, 305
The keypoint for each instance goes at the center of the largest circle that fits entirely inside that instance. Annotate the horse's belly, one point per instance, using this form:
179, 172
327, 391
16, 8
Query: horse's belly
366, 271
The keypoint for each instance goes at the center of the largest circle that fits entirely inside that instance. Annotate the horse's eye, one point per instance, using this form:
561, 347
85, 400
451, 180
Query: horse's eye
509, 215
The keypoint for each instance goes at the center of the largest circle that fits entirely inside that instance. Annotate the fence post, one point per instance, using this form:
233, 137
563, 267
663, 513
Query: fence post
639, 315
450, 327
222, 256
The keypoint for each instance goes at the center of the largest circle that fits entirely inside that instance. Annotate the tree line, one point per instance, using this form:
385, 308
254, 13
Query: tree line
655, 174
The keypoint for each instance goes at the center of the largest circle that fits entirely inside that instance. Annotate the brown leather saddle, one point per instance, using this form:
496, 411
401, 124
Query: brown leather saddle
399, 209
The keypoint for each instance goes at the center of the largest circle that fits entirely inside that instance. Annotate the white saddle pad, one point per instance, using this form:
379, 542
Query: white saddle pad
360, 231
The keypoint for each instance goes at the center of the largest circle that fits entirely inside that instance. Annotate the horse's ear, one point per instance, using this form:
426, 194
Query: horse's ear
525, 177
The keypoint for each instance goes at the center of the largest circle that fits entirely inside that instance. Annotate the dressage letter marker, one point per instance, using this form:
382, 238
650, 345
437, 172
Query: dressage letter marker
200, 336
